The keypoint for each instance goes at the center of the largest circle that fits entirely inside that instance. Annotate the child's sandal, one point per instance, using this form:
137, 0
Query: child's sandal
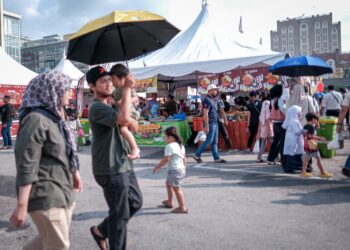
166, 204
179, 211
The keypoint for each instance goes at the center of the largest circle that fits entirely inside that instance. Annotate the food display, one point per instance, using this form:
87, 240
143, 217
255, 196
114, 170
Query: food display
272, 79
237, 115
148, 129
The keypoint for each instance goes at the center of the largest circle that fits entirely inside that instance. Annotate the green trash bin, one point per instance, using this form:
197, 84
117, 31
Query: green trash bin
328, 130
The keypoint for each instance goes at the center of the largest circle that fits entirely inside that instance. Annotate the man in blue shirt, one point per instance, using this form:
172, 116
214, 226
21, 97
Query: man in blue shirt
210, 126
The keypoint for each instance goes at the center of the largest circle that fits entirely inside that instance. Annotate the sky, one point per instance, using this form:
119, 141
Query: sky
47, 17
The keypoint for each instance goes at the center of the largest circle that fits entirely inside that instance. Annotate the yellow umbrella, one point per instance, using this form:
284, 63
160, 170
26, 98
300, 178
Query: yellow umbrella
120, 36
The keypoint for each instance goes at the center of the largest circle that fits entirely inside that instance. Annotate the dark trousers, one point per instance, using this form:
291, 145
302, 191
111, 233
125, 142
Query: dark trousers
253, 130
124, 199
224, 133
333, 112
277, 143
6, 134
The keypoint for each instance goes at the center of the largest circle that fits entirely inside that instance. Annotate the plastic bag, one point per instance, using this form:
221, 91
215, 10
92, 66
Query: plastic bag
200, 137
334, 144
256, 148
81, 132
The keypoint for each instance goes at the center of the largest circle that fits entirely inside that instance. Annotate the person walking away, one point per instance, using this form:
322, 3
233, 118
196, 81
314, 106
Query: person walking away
112, 168
277, 116
85, 113
344, 111
254, 108
294, 140
310, 146
332, 102
47, 162
223, 123
265, 128
210, 125
118, 74
311, 100
6, 121
343, 92
175, 159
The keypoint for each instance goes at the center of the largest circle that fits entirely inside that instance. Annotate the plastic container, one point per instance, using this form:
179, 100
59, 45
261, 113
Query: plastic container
328, 130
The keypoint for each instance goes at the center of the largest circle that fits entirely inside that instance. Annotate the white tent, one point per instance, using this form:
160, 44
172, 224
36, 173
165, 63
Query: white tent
13, 73
67, 67
206, 46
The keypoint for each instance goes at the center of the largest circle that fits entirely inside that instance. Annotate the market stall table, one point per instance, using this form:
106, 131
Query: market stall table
152, 134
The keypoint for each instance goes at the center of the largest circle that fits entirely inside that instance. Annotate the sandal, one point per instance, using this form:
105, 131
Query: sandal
178, 210
166, 204
260, 161
197, 159
220, 161
326, 175
97, 238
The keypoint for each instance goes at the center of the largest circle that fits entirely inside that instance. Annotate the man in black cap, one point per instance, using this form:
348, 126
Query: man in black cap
112, 168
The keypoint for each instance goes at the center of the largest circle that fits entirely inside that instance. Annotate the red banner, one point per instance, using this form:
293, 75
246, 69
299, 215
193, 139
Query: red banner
16, 93
249, 79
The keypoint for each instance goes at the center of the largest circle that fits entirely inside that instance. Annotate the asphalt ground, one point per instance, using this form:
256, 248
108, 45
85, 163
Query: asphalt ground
236, 205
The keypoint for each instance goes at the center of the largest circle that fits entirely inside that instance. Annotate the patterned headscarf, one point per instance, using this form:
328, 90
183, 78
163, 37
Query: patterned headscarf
46, 91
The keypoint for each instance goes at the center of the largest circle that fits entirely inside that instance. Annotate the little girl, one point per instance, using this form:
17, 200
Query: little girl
265, 128
175, 159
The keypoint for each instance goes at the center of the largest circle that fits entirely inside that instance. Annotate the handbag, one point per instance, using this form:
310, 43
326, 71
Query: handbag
276, 115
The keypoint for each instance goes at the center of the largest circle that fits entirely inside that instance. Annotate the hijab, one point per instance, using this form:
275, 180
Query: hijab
265, 112
292, 118
46, 91
298, 94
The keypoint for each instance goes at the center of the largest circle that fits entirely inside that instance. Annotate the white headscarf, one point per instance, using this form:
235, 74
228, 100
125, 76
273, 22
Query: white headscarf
265, 112
293, 116
298, 94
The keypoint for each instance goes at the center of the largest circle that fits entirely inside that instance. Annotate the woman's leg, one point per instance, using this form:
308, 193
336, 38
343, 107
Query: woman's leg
275, 146
262, 148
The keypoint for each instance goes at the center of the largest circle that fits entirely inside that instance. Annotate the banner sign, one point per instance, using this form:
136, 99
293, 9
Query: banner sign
249, 79
146, 85
16, 93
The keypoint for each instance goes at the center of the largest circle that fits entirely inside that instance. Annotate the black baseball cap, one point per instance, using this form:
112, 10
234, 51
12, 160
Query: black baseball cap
96, 73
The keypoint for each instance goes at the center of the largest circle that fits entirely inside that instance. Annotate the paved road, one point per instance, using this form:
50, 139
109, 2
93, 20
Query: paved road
238, 205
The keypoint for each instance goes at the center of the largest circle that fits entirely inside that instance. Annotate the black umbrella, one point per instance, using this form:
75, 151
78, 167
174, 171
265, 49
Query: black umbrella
120, 36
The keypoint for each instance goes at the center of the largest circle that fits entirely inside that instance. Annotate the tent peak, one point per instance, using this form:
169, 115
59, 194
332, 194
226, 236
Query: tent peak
204, 3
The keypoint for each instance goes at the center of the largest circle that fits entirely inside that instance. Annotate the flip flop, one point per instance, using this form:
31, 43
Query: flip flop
166, 204
97, 238
197, 159
178, 210
259, 161
220, 161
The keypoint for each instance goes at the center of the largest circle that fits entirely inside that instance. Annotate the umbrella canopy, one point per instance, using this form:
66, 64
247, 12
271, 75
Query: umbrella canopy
301, 66
120, 36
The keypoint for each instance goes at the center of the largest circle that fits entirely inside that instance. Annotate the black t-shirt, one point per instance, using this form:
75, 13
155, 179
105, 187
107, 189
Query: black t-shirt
6, 113
310, 130
254, 108
227, 106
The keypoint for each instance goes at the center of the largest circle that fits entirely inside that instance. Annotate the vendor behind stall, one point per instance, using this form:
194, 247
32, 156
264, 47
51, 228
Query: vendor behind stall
171, 106
153, 106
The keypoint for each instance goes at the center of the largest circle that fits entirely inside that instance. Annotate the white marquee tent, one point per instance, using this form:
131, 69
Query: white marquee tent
206, 46
69, 69
13, 73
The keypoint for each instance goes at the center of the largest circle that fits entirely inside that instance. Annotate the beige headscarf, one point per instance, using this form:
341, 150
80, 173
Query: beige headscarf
298, 95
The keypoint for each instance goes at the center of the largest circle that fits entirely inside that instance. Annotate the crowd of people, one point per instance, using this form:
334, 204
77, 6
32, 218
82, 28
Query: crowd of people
48, 166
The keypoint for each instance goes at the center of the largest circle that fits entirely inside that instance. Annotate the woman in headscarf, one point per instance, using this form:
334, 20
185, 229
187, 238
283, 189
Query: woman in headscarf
299, 97
265, 128
277, 116
294, 140
46, 161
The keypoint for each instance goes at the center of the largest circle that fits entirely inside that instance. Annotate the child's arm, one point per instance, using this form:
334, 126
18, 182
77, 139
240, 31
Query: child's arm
162, 163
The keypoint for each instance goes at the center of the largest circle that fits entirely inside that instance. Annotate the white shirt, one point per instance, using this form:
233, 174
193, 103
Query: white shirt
332, 101
177, 154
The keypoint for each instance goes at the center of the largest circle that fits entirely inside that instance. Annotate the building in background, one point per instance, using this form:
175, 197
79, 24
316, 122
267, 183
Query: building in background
307, 35
1, 23
12, 28
43, 54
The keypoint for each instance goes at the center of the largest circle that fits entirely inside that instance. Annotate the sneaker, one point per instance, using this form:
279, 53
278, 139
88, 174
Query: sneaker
305, 174
326, 175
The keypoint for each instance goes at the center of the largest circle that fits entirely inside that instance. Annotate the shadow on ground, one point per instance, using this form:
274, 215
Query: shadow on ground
7, 186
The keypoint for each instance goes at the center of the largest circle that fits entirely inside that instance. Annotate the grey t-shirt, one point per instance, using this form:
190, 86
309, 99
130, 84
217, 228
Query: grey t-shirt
109, 149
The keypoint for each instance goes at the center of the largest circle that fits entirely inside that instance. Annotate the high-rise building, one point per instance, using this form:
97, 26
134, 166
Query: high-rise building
12, 33
43, 54
12, 27
307, 35
1, 24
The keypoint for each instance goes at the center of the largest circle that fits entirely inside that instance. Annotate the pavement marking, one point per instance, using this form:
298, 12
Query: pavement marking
240, 170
